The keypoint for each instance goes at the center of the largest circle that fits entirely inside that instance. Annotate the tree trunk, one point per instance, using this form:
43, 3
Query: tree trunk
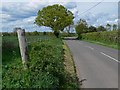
56, 33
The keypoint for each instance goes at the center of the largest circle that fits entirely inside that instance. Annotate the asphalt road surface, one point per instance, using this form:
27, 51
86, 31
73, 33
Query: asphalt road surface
96, 65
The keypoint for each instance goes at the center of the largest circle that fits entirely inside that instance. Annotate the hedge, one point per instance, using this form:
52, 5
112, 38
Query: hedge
46, 67
109, 37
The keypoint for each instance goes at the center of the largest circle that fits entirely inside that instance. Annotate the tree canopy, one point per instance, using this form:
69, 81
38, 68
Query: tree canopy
101, 28
108, 27
81, 27
92, 29
56, 17
114, 26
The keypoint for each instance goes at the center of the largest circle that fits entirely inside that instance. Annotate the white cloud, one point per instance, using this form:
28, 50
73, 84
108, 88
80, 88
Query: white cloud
116, 20
27, 24
59, 0
23, 13
100, 18
71, 5
4, 17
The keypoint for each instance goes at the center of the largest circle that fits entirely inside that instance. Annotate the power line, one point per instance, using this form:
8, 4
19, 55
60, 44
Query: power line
92, 7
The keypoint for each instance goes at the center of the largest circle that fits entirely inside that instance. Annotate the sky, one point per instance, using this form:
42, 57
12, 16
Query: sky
22, 13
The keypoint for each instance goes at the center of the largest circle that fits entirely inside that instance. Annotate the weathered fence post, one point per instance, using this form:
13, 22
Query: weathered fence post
23, 46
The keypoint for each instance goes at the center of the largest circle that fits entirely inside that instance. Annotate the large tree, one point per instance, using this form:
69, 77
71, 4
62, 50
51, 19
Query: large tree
114, 26
81, 27
101, 29
92, 29
108, 27
56, 17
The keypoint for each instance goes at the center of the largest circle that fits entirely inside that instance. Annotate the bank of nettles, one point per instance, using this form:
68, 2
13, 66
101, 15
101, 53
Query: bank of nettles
107, 37
45, 68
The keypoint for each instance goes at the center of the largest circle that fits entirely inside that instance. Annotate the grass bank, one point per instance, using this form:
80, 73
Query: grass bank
115, 46
106, 38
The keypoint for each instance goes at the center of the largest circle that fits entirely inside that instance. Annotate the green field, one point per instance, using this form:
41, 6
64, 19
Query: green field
10, 47
46, 64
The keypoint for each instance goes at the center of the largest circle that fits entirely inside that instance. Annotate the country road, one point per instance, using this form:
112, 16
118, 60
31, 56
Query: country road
95, 63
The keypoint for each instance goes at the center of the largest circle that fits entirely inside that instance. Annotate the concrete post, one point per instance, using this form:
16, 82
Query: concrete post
23, 46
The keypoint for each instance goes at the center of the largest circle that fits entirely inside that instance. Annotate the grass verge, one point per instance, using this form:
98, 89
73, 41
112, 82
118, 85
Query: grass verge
72, 80
115, 46
48, 69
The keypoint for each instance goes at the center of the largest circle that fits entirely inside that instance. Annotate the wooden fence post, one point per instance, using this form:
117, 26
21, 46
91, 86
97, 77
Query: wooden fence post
23, 46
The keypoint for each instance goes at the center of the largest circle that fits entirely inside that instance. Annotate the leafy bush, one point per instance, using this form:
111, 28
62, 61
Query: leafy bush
68, 34
110, 37
47, 59
46, 68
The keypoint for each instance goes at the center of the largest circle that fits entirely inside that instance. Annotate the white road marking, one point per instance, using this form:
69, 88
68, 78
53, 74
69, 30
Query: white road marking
89, 47
110, 57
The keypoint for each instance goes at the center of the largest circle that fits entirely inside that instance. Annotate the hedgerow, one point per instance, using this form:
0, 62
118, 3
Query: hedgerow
47, 59
109, 37
45, 67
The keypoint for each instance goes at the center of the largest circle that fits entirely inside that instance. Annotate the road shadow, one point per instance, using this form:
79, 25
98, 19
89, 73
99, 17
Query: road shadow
70, 38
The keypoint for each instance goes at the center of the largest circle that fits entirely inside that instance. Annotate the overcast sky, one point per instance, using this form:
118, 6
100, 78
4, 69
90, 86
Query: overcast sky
23, 12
